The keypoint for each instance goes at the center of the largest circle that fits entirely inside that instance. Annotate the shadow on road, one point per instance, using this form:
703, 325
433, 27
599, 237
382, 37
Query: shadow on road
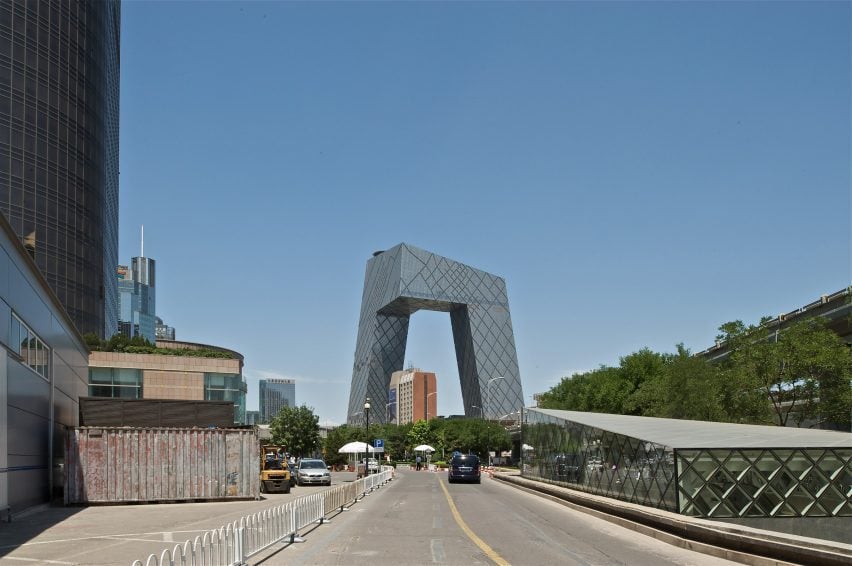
29, 524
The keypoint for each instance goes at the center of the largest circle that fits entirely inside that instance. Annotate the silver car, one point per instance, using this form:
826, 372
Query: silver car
311, 472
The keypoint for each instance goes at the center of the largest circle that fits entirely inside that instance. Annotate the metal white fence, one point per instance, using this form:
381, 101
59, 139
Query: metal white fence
233, 544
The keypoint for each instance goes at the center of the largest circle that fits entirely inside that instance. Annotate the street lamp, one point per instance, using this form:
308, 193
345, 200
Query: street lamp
488, 389
367, 418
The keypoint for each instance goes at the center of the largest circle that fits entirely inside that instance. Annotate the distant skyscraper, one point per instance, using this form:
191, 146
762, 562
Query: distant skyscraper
252, 417
412, 396
137, 297
59, 102
163, 330
275, 394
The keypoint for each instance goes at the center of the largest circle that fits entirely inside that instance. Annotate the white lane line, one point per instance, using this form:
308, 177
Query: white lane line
96, 537
168, 537
438, 554
39, 560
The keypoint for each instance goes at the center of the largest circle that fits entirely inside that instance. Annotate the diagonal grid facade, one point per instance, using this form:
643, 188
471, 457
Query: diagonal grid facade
405, 279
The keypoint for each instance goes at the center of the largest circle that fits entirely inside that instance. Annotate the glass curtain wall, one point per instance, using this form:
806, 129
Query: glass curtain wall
115, 383
765, 483
715, 483
227, 387
598, 461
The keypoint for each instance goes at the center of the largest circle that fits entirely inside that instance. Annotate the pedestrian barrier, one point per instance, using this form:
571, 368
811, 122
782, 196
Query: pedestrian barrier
233, 544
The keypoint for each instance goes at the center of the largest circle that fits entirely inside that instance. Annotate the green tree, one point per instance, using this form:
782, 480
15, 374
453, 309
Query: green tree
799, 373
687, 388
420, 433
297, 428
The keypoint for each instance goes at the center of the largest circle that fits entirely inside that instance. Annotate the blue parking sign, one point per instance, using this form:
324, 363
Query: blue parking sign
379, 443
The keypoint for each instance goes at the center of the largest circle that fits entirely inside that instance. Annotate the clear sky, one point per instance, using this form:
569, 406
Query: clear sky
639, 173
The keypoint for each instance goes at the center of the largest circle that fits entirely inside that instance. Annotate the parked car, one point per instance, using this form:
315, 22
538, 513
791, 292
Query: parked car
568, 467
464, 467
312, 472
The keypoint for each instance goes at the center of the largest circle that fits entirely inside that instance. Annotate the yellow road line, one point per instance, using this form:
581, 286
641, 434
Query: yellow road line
489, 552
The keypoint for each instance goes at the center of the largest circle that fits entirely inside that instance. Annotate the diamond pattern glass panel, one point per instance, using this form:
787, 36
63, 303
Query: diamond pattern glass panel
724, 483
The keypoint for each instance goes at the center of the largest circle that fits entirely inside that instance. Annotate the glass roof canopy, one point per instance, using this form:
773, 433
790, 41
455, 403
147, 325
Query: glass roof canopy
695, 468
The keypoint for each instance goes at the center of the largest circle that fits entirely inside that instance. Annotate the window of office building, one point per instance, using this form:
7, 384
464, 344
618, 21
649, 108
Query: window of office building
115, 383
227, 387
33, 351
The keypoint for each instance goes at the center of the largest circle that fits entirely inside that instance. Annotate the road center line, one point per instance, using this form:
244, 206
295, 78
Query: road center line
489, 552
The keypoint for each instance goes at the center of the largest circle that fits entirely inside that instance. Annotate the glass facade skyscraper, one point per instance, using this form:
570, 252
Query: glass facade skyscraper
137, 299
274, 395
405, 279
59, 105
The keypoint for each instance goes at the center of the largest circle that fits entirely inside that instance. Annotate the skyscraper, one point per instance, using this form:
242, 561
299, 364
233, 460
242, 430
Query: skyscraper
59, 102
137, 298
404, 279
275, 394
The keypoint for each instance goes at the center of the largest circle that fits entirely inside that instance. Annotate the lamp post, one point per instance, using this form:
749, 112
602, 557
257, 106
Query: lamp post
488, 390
367, 418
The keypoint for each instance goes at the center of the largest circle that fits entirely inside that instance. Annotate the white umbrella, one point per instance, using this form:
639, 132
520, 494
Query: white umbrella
424, 448
356, 448
527, 447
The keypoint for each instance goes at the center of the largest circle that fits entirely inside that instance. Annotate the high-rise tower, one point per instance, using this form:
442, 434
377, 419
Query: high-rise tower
404, 279
274, 395
59, 97
137, 297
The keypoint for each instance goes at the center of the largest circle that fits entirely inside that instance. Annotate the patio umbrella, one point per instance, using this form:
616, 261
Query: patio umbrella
424, 448
527, 447
356, 448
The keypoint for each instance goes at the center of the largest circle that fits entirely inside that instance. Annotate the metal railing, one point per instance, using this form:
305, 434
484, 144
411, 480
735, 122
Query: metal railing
233, 544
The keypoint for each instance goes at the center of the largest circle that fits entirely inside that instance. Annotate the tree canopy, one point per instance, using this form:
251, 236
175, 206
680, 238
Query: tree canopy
801, 374
445, 435
297, 429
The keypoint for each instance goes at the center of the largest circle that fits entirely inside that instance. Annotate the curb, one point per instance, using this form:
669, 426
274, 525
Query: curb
744, 545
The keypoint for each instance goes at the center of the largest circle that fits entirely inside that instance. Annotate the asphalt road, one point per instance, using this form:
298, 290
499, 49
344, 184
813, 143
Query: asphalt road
410, 521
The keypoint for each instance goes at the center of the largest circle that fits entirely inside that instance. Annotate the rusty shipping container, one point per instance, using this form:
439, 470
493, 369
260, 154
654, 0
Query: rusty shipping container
116, 465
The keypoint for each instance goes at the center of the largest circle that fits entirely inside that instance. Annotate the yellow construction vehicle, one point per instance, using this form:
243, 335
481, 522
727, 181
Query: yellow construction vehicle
274, 472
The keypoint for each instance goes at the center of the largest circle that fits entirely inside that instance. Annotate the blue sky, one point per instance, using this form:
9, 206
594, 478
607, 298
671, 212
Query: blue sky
639, 173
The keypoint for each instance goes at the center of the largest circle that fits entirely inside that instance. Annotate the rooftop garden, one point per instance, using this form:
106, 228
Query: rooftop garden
139, 345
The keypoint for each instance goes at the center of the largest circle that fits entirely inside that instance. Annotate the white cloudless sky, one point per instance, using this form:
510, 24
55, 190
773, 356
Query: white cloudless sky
639, 173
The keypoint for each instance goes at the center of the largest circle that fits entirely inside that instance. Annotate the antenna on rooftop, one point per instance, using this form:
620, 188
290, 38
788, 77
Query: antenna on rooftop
142, 251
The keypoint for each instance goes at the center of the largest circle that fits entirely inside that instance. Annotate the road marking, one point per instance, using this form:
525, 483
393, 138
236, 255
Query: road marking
436, 522
39, 560
168, 537
489, 552
438, 554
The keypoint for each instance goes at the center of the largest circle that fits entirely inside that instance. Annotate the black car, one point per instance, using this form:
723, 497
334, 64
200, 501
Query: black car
568, 467
464, 467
